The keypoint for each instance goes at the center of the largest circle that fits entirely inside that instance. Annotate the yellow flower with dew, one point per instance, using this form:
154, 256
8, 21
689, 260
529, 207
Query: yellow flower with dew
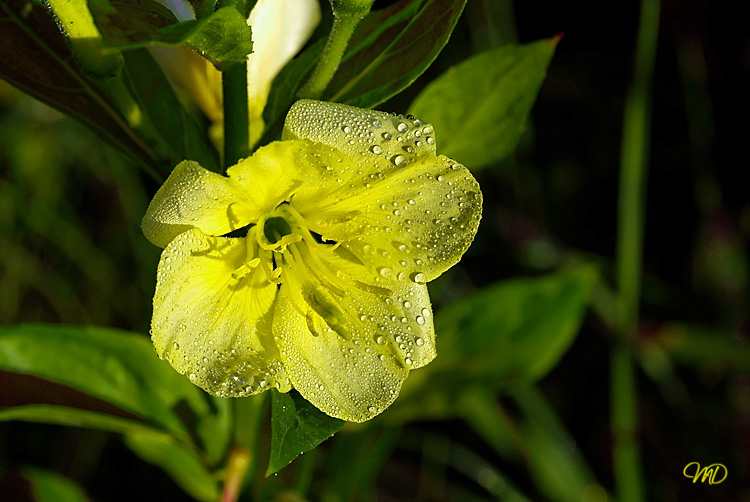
306, 266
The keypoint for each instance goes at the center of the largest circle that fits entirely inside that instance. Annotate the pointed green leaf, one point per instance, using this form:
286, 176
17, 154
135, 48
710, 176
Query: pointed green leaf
503, 337
391, 48
296, 427
222, 37
480, 106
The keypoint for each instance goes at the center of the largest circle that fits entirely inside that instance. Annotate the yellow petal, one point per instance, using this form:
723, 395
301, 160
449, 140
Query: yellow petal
280, 29
276, 170
193, 197
404, 212
211, 325
195, 74
348, 352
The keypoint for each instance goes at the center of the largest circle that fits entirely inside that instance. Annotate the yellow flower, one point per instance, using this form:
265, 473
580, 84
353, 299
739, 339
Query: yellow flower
306, 266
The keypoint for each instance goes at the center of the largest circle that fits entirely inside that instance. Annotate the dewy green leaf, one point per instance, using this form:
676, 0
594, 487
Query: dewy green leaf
296, 427
391, 48
36, 58
116, 367
481, 106
512, 333
222, 37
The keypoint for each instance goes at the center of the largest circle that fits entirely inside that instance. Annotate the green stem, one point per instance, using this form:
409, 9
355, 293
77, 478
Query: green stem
237, 465
631, 210
234, 96
344, 23
236, 122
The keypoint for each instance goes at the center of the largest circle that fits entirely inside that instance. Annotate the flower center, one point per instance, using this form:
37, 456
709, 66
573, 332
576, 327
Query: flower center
275, 228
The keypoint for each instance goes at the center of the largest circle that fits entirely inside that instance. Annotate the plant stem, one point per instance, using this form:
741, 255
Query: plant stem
234, 96
237, 465
343, 27
236, 122
631, 210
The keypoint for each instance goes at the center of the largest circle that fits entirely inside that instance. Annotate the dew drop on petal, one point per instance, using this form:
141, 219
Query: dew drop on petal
420, 320
399, 160
402, 127
418, 277
376, 149
385, 272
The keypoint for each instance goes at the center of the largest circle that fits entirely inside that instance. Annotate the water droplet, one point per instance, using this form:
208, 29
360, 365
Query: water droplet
380, 340
407, 304
408, 361
396, 212
346, 129
386, 136
376, 149
371, 409
441, 178
377, 124
402, 127
176, 345
430, 140
419, 341
412, 201
399, 160
426, 312
263, 384
420, 320
419, 277
385, 272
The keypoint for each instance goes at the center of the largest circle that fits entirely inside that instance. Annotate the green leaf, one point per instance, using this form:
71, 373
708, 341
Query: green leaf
502, 338
222, 37
181, 463
391, 48
73, 417
479, 108
48, 486
36, 59
113, 366
171, 120
296, 427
